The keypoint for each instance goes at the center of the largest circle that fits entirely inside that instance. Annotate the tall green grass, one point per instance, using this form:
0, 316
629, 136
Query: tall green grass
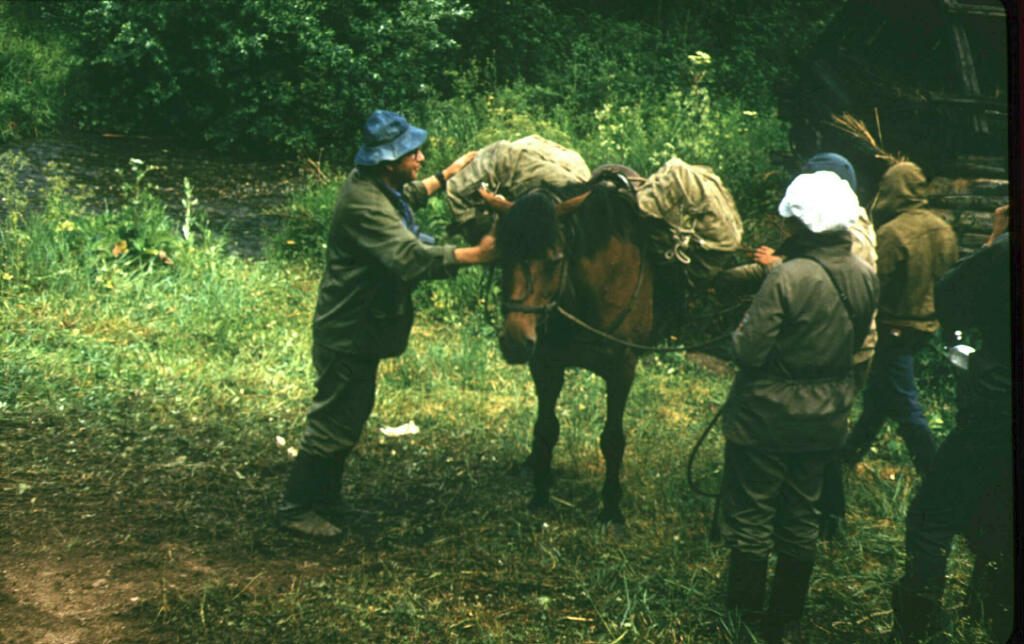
141, 404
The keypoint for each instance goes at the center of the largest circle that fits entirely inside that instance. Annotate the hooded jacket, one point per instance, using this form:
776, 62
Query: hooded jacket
915, 247
364, 306
795, 348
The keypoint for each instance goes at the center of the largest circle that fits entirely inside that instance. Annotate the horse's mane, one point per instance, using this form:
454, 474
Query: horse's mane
531, 226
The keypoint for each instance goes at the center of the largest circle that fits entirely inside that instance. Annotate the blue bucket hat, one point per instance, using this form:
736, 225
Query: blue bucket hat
386, 137
834, 162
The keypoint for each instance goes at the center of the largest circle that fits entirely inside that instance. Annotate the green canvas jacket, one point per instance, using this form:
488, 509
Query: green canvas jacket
364, 306
747, 278
915, 247
795, 349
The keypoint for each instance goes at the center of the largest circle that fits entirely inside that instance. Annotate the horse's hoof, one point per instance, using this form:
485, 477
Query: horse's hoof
615, 531
612, 517
539, 504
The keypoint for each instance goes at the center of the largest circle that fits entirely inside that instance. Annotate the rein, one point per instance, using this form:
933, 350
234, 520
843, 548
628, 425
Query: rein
633, 345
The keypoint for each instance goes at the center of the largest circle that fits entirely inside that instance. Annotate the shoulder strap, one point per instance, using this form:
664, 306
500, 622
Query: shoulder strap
860, 330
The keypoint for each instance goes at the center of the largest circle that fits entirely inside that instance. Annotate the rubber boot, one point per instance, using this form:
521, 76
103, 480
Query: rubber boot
920, 443
916, 617
786, 603
330, 505
832, 503
744, 585
309, 482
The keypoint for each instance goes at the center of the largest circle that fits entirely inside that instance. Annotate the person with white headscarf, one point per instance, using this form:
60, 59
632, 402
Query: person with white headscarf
787, 410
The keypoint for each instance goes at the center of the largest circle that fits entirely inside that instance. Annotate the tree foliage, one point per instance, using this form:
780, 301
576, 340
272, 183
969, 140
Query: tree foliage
259, 74
299, 76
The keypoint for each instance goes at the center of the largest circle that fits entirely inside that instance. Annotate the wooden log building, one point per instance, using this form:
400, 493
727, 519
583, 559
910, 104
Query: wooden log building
929, 79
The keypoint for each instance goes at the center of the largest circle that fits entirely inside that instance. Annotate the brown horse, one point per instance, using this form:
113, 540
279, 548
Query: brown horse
584, 257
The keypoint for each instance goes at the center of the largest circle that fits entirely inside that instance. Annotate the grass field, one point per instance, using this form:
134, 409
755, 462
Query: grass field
141, 403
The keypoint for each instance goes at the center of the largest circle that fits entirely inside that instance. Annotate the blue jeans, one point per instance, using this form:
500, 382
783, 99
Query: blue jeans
891, 393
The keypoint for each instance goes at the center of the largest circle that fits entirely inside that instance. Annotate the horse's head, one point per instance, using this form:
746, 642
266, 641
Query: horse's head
535, 270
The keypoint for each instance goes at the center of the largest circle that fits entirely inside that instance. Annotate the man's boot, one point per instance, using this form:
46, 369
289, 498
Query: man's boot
311, 479
920, 443
916, 617
330, 505
786, 603
744, 585
832, 503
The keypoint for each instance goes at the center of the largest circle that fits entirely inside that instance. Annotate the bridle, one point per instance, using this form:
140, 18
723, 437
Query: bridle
543, 310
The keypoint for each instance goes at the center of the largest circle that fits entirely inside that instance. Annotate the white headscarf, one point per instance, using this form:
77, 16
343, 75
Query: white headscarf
822, 201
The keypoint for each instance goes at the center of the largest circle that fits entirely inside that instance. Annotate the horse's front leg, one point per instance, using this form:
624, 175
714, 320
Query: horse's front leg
548, 380
613, 440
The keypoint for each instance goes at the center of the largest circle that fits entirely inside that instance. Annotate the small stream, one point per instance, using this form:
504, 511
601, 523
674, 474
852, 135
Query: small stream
242, 198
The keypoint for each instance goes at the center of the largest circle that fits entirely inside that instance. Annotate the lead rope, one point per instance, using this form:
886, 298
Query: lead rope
632, 345
693, 455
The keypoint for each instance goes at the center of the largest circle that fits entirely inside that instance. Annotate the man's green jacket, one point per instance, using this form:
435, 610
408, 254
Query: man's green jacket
795, 349
364, 306
915, 247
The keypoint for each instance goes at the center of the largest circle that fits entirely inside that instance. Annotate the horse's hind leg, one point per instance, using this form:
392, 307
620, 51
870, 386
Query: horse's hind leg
613, 441
548, 380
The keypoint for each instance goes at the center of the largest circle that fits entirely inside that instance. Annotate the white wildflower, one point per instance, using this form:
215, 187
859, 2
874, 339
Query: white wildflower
699, 58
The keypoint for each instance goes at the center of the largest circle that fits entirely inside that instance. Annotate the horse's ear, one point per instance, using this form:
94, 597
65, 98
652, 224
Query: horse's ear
570, 205
495, 202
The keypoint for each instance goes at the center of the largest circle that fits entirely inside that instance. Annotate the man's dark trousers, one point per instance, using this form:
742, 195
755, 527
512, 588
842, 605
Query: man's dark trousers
891, 393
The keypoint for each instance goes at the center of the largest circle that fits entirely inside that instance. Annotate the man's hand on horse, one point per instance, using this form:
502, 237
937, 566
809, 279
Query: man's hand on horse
459, 164
765, 256
488, 248
485, 252
494, 201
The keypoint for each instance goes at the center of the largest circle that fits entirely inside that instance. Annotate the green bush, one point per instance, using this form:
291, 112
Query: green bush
262, 75
33, 74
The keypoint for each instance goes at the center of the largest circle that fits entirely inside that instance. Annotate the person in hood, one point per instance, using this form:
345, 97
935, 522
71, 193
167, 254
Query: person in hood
376, 254
915, 247
786, 414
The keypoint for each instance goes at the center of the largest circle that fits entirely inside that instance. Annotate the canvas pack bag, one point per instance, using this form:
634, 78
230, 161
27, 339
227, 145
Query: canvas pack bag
511, 169
695, 206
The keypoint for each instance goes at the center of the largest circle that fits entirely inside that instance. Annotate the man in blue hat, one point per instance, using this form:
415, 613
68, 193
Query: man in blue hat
376, 254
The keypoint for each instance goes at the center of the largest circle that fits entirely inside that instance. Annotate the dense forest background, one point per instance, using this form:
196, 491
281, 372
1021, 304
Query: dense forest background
298, 77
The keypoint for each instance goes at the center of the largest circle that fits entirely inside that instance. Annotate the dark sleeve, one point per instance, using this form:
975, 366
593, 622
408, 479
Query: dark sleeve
416, 194
383, 237
755, 337
960, 291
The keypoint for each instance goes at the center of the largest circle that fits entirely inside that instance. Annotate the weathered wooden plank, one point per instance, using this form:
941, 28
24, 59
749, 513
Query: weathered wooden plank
965, 8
